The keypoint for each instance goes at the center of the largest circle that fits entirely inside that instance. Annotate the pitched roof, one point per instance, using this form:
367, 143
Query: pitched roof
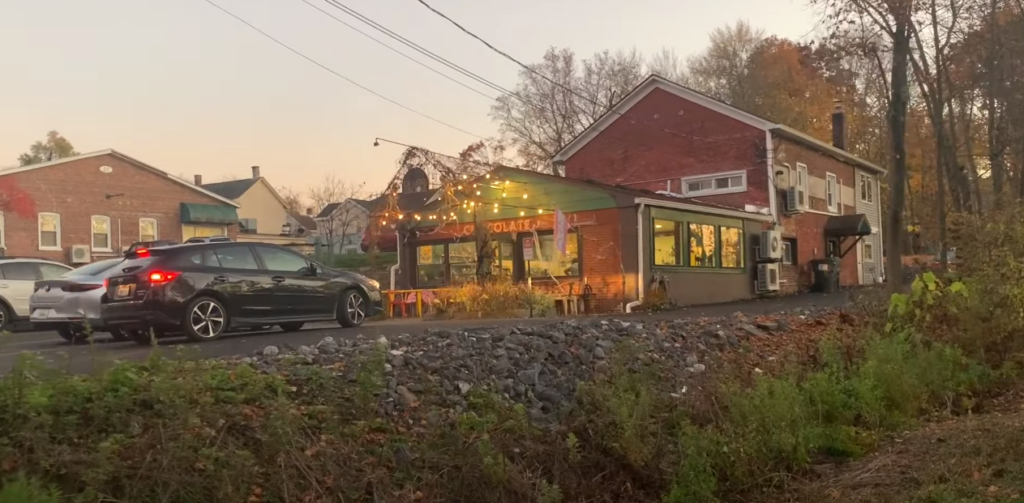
657, 82
324, 213
232, 189
110, 151
303, 220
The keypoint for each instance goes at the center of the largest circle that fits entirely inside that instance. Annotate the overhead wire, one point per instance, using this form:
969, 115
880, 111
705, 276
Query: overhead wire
339, 75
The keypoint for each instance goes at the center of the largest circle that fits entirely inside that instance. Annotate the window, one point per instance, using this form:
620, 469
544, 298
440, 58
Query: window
52, 271
247, 225
49, 231
276, 259
788, 251
832, 192
801, 184
101, 233
430, 265
3, 231
147, 229
702, 245
720, 183
867, 189
462, 261
236, 257
502, 260
19, 271
732, 247
869, 252
548, 262
206, 258
202, 231
667, 249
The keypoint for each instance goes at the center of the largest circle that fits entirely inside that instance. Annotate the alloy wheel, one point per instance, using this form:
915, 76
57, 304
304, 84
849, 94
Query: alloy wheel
356, 309
207, 319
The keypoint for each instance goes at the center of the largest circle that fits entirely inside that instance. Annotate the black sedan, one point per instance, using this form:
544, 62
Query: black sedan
204, 290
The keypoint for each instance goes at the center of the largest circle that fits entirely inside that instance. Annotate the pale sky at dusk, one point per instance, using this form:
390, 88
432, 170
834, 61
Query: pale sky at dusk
187, 88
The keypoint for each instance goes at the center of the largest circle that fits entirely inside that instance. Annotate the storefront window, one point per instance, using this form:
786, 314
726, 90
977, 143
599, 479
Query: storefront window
732, 247
702, 245
548, 262
666, 243
462, 260
430, 265
502, 265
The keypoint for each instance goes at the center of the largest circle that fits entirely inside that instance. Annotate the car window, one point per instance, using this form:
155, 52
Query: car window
52, 271
19, 271
203, 258
277, 259
236, 257
91, 269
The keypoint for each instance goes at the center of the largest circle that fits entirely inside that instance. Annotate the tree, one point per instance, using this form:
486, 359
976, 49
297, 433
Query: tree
292, 200
346, 218
721, 70
55, 147
668, 64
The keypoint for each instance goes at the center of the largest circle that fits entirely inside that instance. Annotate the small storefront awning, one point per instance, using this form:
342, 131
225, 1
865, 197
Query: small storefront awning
195, 213
847, 226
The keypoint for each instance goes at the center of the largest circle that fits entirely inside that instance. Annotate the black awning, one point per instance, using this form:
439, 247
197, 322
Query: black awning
847, 226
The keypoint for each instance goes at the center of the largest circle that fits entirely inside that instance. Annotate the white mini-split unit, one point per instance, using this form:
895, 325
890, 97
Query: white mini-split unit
768, 277
771, 245
796, 202
81, 254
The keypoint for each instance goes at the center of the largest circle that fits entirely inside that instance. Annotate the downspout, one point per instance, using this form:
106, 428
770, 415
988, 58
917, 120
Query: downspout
639, 260
398, 251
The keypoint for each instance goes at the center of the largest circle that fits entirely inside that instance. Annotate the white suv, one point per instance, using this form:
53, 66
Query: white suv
18, 277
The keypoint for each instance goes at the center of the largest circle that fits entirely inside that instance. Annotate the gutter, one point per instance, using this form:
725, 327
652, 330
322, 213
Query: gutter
398, 252
639, 258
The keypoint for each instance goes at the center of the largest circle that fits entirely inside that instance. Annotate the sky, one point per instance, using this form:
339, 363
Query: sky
185, 87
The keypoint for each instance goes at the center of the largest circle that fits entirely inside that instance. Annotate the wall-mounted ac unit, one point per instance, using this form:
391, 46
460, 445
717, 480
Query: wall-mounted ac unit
796, 200
768, 277
771, 245
81, 254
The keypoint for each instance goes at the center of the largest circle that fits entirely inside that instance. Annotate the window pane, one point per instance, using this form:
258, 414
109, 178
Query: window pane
502, 264
281, 260
19, 271
732, 247
722, 183
547, 262
736, 181
702, 245
48, 239
147, 230
236, 257
430, 265
51, 271
100, 225
693, 187
101, 241
48, 223
462, 260
666, 243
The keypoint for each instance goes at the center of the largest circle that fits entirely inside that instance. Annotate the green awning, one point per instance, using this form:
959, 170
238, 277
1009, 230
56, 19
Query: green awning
195, 213
847, 226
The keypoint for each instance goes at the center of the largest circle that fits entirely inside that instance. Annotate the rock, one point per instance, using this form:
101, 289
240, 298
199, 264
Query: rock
406, 396
382, 341
464, 387
691, 360
750, 329
271, 351
768, 325
585, 356
306, 351
599, 353
529, 377
698, 368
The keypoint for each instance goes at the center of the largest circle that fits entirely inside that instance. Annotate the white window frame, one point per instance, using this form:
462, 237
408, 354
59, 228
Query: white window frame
714, 176
110, 234
801, 184
866, 186
3, 231
868, 249
39, 231
832, 190
787, 250
156, 228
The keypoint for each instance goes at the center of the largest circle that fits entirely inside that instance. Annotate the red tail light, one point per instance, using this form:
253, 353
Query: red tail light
142, 252
106, 283
158, 277
82, 288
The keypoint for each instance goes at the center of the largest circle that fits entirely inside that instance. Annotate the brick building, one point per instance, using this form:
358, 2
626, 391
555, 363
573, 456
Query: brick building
93, 206
820, 200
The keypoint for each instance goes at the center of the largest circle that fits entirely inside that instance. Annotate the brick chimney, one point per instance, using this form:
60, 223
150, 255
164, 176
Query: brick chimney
255, 172
309, 212
199, 179
839, 126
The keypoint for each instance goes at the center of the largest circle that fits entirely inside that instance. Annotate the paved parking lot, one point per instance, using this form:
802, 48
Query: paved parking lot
90, 357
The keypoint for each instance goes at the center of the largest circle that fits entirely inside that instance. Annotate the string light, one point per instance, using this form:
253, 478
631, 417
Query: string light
488, 175
524, 196
495, 209
522, 213
539, 211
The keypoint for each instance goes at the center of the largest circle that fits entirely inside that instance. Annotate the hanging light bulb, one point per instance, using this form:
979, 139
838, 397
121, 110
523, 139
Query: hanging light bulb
495, 205
400, 216
503, 194
524, 196
506, 182
495, 209
478, 192
539, 211
522, 213
488, 175
464, 177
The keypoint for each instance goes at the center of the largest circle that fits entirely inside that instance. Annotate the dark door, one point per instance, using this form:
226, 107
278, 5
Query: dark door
298, 290
234, 271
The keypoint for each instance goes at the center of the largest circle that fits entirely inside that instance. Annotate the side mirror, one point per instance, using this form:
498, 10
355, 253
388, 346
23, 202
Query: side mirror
311, 270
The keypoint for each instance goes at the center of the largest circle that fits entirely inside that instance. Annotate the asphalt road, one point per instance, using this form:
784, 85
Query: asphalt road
103, 350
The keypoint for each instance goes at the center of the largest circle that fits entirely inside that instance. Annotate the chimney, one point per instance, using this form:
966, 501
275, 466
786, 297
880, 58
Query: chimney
839, 126
255, 172
199, 179
309, 212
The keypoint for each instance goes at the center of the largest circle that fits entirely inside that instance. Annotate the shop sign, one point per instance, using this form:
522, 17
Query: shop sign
528, 249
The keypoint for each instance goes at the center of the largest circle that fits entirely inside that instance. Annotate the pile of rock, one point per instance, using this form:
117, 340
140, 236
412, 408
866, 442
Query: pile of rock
538, 366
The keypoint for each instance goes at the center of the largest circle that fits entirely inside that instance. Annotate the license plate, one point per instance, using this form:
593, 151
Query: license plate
124, 291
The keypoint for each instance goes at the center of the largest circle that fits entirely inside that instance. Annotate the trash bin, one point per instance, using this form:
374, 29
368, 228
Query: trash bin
826, 274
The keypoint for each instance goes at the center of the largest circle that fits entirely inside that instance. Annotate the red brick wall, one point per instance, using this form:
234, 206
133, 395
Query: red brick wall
808, 227
77, 190
679, 138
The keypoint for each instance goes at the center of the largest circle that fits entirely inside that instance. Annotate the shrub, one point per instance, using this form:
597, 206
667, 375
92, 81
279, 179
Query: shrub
494, 298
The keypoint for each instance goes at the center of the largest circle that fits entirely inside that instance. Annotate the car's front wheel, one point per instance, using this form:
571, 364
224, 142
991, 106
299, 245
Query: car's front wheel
72, 334
206, 319
352, 309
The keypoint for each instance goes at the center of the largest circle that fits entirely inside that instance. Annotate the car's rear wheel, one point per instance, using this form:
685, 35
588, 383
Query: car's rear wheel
5, 318
72, 334
144, 337
118, 334
352, 308
206, 319
292, 327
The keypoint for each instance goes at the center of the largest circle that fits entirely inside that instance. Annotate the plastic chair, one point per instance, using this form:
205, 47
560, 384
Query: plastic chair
410, 301
398, 301
427, 297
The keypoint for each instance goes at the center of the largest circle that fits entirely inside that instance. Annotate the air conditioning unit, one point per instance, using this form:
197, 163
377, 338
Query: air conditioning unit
767, 277
771, 245
796, 200
81, 254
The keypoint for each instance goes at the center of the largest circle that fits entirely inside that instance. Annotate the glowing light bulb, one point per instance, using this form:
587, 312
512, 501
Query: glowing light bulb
522, 213
540, 211
524, 196
495, 210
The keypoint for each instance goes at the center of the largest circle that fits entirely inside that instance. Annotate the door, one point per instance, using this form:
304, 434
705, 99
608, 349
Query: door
299, 292
860, 262
235, 272
18, 284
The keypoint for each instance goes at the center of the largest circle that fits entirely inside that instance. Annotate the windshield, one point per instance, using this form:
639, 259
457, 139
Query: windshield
93, 269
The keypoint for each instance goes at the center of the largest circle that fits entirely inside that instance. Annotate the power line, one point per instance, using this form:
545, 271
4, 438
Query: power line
336, 74
396, 51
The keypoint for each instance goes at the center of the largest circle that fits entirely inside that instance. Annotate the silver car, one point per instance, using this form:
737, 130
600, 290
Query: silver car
71, 304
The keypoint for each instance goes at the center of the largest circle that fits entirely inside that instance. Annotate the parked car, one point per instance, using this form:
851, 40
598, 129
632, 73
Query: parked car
210, 239
18, 278
205, 289
149, 244
70, 304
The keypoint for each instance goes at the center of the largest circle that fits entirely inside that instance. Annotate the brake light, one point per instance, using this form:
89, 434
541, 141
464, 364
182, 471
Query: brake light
157, 277
106, 283
142, 252
82, 288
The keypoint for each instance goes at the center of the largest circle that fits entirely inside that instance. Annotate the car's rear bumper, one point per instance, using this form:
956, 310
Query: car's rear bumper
137, 314
53, 323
